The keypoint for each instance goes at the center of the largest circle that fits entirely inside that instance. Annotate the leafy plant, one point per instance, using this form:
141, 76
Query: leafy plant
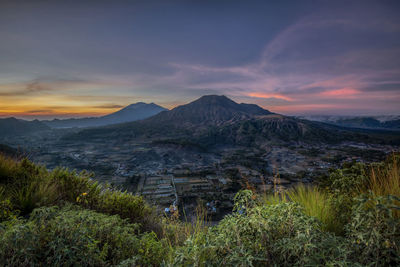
73, 236
278, 234
374, 231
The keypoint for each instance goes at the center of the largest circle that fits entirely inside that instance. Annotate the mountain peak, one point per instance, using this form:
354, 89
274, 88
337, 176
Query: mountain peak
214, 98
210, 110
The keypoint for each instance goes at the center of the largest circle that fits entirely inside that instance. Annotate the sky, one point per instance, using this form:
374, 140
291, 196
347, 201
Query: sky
61, 59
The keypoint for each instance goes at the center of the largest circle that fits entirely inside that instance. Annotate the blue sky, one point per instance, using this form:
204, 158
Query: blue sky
83, 58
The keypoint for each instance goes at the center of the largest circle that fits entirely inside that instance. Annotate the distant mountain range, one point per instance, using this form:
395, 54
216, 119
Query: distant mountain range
214, 120
133, 112
370, 122
210, 120
15, 127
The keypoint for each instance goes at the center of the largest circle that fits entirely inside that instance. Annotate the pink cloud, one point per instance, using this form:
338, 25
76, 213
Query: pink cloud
340, 93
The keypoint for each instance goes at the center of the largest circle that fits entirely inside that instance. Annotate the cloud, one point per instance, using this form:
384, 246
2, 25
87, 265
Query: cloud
341, 93
39, 111
39, 86
318, 58
108, 106
270, 96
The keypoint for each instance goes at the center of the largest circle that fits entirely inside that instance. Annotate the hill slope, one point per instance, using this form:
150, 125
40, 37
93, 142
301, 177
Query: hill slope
14, 127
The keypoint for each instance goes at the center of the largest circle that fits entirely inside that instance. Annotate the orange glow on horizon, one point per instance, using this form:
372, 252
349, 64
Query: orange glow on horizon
21, 110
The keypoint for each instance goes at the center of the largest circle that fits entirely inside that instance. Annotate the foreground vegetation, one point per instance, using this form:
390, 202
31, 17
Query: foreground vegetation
61, 218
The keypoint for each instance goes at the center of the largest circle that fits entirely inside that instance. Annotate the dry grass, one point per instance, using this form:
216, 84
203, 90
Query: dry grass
385, 179
177, 231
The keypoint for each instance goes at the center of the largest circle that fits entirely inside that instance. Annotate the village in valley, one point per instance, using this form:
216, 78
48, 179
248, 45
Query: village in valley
174, 177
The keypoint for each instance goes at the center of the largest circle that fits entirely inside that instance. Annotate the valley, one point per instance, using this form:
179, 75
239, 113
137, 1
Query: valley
206, 161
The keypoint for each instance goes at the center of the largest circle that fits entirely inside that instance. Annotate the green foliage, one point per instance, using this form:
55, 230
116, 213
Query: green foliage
347, 179
30, 186
352, 219
7, 211
267, 235
73, 236
374, 231
244, 200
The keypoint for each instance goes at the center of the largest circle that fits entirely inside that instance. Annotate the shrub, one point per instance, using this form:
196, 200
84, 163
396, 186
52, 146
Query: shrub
374, 232
278, 234
348, 179
30, 186
73, 236
7, 211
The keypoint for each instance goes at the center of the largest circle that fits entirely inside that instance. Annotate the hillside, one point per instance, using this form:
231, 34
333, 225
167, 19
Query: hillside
9, 151
16, 127
62, 218
133, 112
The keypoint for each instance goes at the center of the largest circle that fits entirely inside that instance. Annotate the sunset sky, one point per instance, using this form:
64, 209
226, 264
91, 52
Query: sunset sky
87, 58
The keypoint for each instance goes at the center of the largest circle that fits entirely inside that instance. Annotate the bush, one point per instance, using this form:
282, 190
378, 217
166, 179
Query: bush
73, 236
352, 221
7, 211
374, 231
278, 234
30, 186
347, 179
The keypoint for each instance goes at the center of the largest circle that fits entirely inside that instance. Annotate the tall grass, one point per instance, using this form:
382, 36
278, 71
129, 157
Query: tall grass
316, 203
177, 231
385, 178
33, 195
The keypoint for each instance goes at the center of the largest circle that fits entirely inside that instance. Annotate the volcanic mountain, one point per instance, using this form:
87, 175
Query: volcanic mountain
133, 112
214, 120
208, 110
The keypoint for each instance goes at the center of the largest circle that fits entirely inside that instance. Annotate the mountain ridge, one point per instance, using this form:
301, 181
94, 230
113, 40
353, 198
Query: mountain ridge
213, 120
132, 112
14, 127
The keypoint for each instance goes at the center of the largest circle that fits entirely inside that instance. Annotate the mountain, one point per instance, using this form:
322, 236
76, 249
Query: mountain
213, 120
13, 127
392, 124
208, 110
372, 122
360, 122
133, 112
